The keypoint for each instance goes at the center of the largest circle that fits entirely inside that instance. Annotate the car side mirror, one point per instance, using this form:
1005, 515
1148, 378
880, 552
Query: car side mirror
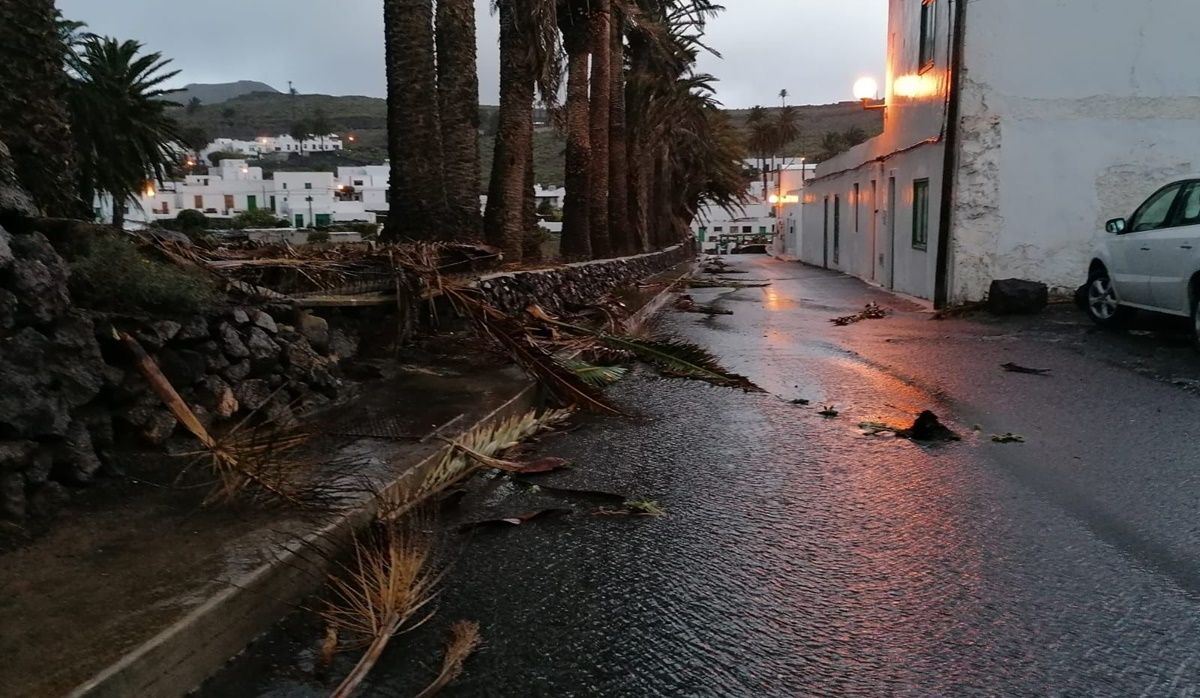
1116, 226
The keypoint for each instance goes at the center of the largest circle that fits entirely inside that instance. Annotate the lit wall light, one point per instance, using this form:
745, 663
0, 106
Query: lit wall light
866, 90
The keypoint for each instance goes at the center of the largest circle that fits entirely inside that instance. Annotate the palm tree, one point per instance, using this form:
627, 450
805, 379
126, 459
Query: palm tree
458, 103
417, 206
619, 226
599, 31
193, 105
761, 139
574, 19
123, 133
529, 59
785, 129
319, 122
34, 119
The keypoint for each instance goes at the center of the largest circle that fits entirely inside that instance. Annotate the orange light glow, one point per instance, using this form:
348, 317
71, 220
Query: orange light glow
150, 190
866, 88
915, 86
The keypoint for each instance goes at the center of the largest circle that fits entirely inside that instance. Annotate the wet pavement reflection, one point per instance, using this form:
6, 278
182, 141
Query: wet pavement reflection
800, 557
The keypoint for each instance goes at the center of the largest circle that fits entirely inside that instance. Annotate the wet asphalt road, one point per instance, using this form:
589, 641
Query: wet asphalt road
800, 557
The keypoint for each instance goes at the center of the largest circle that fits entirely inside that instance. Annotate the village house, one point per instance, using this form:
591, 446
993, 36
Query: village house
1050, 117
282, 145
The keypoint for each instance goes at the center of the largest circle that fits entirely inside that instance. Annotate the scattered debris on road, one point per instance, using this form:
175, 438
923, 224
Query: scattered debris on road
725, 283
800, 401
637, 507
1008, 438
1017, 368
464, 640
927, 427
873, 311
829, 412
958, 311
720, 266
876, 428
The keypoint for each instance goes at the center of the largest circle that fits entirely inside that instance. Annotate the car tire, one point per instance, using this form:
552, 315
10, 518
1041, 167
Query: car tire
1196, 322
1102, 304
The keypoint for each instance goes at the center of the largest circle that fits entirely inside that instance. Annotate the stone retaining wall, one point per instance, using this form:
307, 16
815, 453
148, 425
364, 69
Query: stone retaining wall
576, 284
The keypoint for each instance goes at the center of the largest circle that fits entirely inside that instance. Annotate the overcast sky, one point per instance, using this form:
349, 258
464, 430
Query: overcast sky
813, 48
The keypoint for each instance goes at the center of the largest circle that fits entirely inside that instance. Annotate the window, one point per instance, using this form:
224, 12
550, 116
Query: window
1189, 210
358, 182
747, 229
308, 185
920, 214
837, 228
1152, 215
928, 34
762, 230
228, 202
285, 185
857, 205
718, 229
198, 201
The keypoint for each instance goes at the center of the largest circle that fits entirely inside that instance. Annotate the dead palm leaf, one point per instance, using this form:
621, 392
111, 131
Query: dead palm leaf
464, 640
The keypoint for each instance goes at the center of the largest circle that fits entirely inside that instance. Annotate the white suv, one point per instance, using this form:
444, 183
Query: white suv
1150, 261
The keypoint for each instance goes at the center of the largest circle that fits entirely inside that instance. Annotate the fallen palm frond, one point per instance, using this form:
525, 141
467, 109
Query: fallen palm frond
464, 640
455, 464
1017, 368
725, 283
686, 304
636, 507
676, 357
381, 593
263, 460
872, 311
1008, 438
597, 376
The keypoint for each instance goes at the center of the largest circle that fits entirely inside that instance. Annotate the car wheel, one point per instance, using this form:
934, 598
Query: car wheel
1102, 304
1196, 322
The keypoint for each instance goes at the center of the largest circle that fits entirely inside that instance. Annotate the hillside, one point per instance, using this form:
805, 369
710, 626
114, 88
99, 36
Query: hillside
220, 92
261, 113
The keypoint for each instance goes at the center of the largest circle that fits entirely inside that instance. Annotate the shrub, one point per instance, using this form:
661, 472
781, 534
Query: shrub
115, 275
318, 236
258, 218
190, 220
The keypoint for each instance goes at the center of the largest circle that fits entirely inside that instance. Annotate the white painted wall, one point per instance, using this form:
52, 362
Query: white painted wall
1072, 115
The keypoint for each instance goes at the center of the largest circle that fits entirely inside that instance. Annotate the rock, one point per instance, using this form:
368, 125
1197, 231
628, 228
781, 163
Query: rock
38, 278
263, 320
159, 427
279, 414
214, 358
78, 367
16, 455
253, 394
237, 372
183, 367
314, 329
47, 499
342, 345
167, 330
12, 496
1017, 297
215, 395
927, 427
75, 460
194, 330
113, 376
301, 357
264, 352
40, 467
275, 380
240, 316
14, 200
231, 342
323, 381
39, 384
100, 426
6, 253
8, 310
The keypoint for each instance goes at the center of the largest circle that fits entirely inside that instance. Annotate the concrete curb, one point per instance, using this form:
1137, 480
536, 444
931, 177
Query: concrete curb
642, 316
181, 657
178, 659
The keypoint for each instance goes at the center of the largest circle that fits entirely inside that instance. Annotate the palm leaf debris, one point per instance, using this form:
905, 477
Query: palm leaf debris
872, 311
464, 640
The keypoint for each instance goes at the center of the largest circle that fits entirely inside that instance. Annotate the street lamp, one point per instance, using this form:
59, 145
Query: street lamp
866, 90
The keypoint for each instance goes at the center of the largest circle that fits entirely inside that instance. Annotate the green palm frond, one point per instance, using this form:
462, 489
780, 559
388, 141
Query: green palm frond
598, 376
677, 357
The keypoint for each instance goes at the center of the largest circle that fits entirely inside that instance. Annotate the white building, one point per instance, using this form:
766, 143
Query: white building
555, 196
368, 184
1051, 117
767, 218
718, 231
273, 145
302, 198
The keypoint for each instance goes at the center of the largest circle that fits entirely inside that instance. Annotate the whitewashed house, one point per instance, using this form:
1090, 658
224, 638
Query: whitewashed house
718, 231
302, 198
1050, 118
273, 145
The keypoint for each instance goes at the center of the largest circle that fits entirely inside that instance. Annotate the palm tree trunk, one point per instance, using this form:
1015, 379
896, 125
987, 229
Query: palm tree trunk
599, 30
118, 211
504, 218
417, 206
619, 228
576, 235
532, 240
33, 113
458, 104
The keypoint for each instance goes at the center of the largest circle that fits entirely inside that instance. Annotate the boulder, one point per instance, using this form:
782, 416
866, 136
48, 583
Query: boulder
38, 278
215, 395
12, 496
264, 352
302, 358
16, 455
237, 372
41, 464
1017, 297
254, 393
8, 310
239, 316
182, 367
75, 460
13, 197
194, 330
231, 342
314, 329
159, 426
6, 253
167, 329
31, 404
263, 320
342, 345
